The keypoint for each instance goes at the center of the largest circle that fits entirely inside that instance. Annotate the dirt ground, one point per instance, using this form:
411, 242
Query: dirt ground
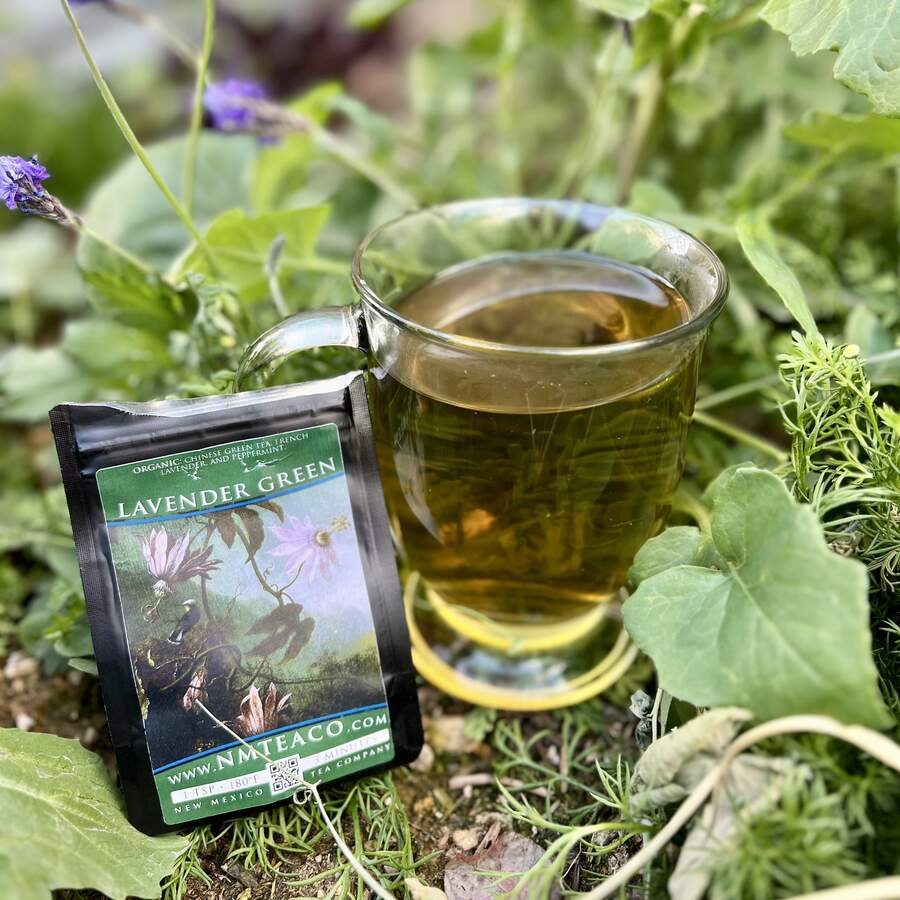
449, 795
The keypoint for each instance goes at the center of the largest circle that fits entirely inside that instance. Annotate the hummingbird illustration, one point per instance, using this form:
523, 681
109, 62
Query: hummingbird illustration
263, 464
188, 620
194, 474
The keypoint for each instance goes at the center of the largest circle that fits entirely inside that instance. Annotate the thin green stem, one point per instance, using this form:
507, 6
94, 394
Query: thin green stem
193, 138
741, 436
129, 135
876, 745
366, 167
81, 226
645, 111
271, 270
726, 395
799, 182
511, 45
684, 501
597, 139
745, 17
735, 392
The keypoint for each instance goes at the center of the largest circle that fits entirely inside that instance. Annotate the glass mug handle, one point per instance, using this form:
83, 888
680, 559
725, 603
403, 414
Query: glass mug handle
332, 326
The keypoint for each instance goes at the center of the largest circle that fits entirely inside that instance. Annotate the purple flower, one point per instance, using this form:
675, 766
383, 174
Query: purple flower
169, 560
21, 184
227, 106
308, 548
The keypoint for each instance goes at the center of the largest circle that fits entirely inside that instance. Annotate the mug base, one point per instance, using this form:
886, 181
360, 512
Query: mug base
520, 668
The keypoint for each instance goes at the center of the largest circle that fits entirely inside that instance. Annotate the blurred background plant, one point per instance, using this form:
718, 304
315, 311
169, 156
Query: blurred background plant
696, 112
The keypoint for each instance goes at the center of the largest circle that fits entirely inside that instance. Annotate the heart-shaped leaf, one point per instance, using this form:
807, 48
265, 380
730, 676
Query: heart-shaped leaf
62, 825
772, 620
864, 34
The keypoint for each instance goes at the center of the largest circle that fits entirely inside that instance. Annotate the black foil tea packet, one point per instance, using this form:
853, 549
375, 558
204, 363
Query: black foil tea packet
236, 558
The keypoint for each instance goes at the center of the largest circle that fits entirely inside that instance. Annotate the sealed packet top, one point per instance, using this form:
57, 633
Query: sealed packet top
242, 594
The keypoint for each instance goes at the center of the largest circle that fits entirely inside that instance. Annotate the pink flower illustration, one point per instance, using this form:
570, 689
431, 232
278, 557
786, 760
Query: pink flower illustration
170, 560
308, 549
196, 690
257, 717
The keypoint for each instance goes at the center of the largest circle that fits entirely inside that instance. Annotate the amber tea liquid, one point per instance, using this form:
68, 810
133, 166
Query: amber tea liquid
516, 511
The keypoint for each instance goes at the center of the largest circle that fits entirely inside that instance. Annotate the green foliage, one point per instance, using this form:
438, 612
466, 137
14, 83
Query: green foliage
876, 133
62, 825
370, 814
736, 631
32, 381
845, 453
129, 210
369, 13
758, 243
621, 9
785, 175
241, 246
860, 31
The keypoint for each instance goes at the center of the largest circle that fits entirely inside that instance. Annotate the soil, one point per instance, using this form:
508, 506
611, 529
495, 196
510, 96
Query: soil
448, 795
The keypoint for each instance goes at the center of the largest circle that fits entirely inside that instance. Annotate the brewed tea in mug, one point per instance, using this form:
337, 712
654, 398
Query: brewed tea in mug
532, 371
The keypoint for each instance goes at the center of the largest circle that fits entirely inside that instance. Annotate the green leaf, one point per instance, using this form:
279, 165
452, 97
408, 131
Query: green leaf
35, 261
33, 381
877, 133
123, 292
253, 525
128, 209
115, 350
775, 622
369, 13
679, 545
281, 176
629, 10
88, 666
62, 825
241, 246
867, 331
862, 32
759, 246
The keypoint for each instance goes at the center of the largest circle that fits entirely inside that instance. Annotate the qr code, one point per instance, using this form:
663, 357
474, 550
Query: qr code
285, 774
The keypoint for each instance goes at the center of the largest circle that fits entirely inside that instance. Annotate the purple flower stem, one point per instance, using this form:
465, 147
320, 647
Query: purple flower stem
132, 140
244, 110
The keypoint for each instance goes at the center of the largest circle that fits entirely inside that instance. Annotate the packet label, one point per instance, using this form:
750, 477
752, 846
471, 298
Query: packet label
243, 595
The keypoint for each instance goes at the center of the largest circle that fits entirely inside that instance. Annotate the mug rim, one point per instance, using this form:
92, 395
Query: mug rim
694, 324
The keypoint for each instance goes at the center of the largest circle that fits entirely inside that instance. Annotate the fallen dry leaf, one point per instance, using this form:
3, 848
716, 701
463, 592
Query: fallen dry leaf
446, 734
419, 891
506, 852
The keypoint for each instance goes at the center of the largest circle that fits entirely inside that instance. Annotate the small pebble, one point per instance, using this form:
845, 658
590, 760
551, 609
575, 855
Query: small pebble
425, 760
466, 838
20, 665
75, 677
18, 686
74, 715
90, 736
24, 722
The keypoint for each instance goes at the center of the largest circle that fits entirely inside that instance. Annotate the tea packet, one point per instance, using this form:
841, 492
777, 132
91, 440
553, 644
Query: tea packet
242, 594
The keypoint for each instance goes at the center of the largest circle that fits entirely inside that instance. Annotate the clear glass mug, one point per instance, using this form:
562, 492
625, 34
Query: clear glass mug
520, 480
